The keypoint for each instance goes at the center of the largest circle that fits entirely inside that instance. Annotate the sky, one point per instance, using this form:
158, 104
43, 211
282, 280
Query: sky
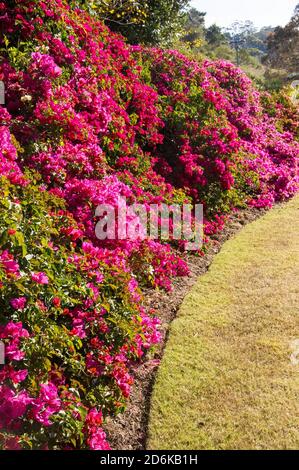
261, 12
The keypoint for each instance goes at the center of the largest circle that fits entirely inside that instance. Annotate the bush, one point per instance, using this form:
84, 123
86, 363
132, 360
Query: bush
219, 140
70, 324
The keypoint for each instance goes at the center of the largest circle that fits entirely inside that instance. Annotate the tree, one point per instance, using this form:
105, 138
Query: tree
215, 36
121, 12
194, 27
195, 19
149, 22
283, 46
241, 29
258, 40
239, 33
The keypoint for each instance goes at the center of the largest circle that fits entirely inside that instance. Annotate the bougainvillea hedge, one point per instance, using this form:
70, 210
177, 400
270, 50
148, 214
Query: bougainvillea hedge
86, 119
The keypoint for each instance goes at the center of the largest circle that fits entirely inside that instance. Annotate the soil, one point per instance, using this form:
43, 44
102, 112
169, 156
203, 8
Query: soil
128, 431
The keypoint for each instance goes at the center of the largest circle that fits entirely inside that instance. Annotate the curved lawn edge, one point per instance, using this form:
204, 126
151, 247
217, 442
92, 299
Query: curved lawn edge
226, 380
129, 430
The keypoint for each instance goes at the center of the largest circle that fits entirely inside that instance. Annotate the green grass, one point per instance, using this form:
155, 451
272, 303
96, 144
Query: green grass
226, 380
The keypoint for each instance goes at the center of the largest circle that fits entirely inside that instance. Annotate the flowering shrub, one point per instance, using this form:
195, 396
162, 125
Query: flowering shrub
221, 142
88, 119
71, 324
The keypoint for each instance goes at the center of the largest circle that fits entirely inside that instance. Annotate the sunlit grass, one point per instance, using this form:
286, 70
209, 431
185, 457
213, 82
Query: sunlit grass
226, 380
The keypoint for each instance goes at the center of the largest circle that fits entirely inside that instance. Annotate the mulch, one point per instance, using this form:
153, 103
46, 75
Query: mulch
128, 431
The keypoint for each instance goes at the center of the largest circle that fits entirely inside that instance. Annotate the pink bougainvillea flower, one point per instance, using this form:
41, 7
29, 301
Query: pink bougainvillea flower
18, 303
16, 376
12, 405
14, 333
46, 65
10, 266
46, 404
40, 278
96, 437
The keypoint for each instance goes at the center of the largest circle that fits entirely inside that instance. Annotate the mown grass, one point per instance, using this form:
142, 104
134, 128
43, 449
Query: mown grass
226, 379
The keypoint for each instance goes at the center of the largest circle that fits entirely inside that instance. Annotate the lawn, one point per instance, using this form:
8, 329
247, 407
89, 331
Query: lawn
227, 380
